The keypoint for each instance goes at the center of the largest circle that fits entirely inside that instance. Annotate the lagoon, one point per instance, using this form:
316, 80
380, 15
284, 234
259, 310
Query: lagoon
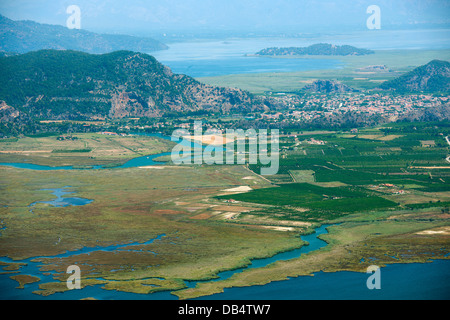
61, 201
210, 58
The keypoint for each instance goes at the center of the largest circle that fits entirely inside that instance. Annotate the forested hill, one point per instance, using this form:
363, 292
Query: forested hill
55, 84
315, 49
26, 36
434, 77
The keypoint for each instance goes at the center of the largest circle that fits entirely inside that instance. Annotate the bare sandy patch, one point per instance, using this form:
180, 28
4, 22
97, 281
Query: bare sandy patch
296, 223
238, 189
193, 209
152, 167
280, 223
301, 209
439, 231
277, 228
230, 215
210, 139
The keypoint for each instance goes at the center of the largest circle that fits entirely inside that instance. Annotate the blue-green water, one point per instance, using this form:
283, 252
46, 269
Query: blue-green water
242, 65
8, 290
313, 243
234, 56
62, 201
218, 58
147, 160
132, 163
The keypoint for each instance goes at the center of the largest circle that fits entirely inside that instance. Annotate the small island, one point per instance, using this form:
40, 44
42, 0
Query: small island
24, 279
322, 49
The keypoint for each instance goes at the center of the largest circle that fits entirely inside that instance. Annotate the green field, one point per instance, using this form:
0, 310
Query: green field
302, 175
304, 195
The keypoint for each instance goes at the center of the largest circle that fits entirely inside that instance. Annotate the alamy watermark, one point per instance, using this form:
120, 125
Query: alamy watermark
74, 20
74, 281
374, 20
241, 146
374, 281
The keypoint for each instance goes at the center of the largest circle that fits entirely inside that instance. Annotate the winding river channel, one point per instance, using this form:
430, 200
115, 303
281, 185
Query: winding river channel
399, 281
32, 267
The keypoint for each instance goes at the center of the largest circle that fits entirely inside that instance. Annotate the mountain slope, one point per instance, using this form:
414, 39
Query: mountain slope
432, 78
54, 84
26, 36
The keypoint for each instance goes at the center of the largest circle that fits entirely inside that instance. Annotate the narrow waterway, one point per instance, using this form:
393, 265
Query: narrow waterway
398, 281
147, 160
32, 268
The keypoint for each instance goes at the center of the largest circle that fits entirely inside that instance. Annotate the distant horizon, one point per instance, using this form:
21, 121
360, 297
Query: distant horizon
213, 18
174, 36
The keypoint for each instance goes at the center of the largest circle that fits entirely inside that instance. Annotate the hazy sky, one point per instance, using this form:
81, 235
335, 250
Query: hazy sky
143, 16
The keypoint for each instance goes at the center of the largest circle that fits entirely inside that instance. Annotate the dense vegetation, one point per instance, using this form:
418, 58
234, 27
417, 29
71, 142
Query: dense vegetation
304, 195
71, 85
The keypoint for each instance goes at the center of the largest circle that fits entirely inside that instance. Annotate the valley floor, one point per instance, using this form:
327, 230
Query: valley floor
386, 201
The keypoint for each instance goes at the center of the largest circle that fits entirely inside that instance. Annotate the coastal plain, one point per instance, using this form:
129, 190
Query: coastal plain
207, 219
